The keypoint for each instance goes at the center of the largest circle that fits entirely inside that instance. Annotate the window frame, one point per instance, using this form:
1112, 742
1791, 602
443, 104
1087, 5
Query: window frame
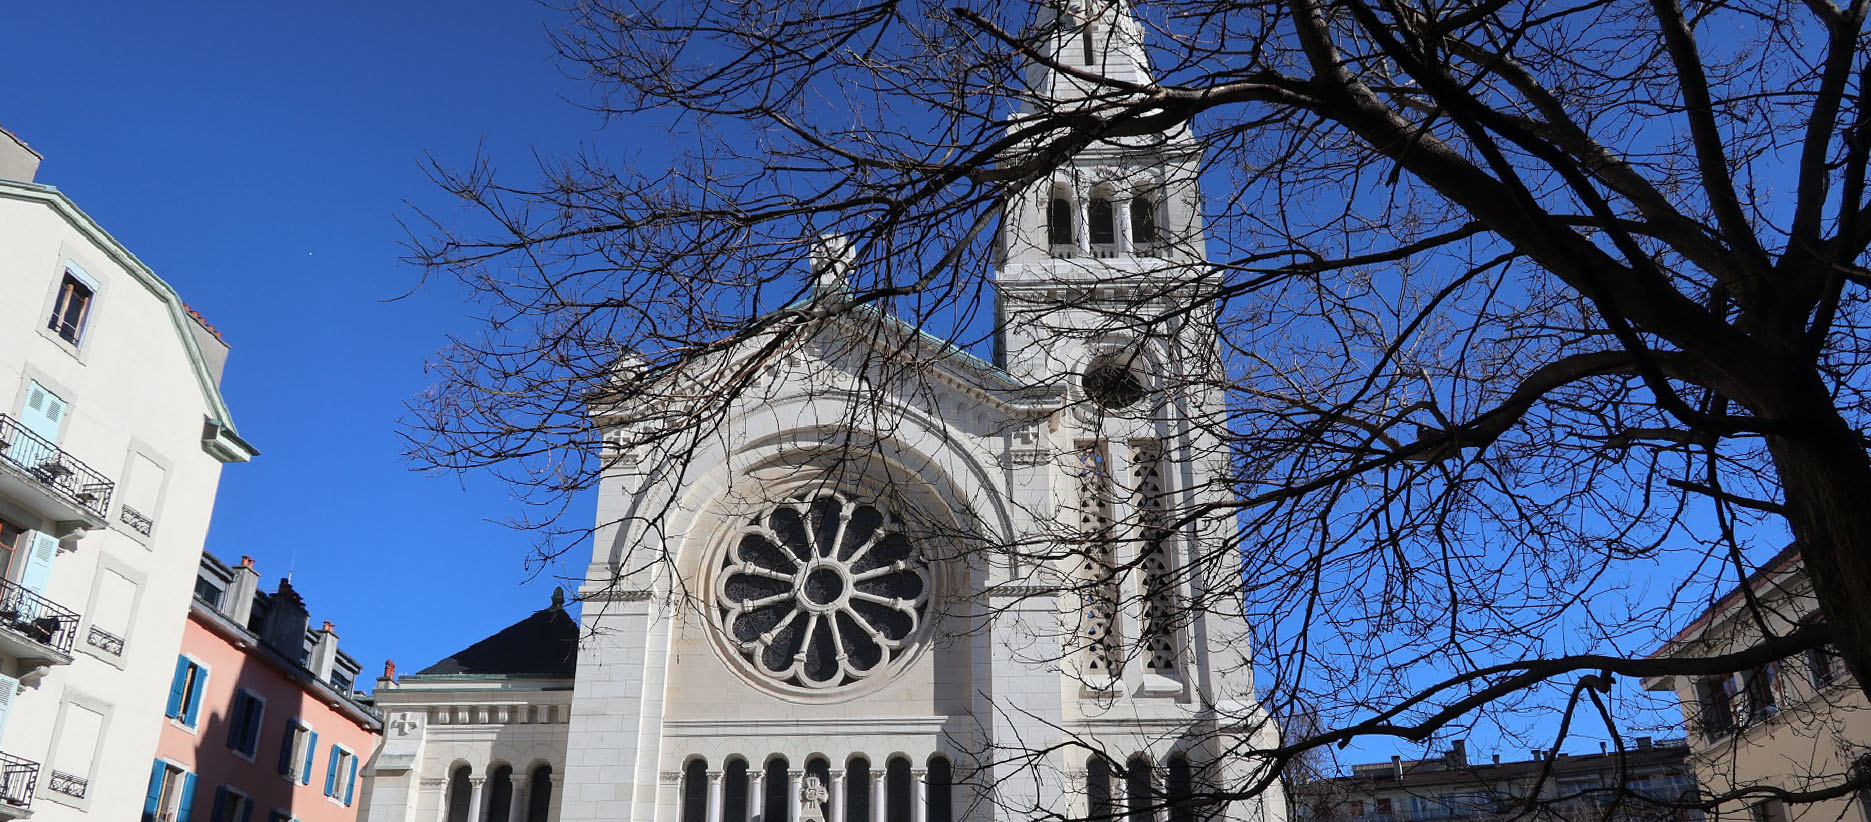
177, 775
105, 712
343, 779
242, 808
190, 712
301, 758
54, 303
255, 721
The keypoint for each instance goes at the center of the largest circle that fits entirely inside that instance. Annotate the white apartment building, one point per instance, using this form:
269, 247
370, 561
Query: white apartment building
112, 437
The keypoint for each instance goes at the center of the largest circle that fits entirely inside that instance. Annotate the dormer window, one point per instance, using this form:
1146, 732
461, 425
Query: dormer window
69, 311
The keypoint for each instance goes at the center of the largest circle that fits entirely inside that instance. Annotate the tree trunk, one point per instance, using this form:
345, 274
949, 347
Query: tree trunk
1826, 476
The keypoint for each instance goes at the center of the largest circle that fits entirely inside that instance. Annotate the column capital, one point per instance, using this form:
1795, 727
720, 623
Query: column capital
475, 781
715, 776
919, 773
796, 773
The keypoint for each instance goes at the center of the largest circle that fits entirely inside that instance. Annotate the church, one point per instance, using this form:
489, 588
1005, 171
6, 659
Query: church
900, 583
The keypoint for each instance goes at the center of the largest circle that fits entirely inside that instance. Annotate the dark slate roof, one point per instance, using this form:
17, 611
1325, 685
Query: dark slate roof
544, 644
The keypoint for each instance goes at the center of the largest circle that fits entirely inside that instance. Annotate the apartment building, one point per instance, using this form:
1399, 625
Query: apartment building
1799, 724
1648, 783
112, 436
264, 721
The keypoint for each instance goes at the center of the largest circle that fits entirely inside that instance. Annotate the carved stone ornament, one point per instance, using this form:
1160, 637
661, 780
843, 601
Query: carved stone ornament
821, 592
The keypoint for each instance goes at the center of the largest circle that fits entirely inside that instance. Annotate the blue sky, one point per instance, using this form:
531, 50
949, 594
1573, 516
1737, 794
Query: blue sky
256, 156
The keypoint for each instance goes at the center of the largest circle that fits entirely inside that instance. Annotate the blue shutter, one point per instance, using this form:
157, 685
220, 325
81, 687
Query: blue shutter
155, 790
311, 748
175, 688
331, 773
188, 798
246, 809
194, 699
236, 719
37, 573
216, 811
350, 785
285, 746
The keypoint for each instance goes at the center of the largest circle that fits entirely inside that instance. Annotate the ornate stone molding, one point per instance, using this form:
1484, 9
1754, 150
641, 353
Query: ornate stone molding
620, 595
670, 777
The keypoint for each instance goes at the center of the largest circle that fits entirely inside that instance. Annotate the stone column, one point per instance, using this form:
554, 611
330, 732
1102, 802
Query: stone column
919, 797
793, 779
475, 784
441, 801
1120, 796
714, 796
756, 796
836, 811
880, 799
516, 811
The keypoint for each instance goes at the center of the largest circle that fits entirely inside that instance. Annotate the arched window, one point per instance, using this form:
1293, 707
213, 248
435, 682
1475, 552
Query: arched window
1159, 583
1059, 221
1140, 800
458, 794
734, 791
777, 806
858, 790
1098, 788
1180, 786
695, 791
539, 794
898, 791
498, 794
822, 768
940, 806
1101, 222
1142, 221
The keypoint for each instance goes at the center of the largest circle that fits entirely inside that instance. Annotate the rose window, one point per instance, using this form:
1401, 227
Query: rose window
822, 592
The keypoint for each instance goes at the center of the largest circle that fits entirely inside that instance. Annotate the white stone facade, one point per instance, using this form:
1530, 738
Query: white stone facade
946, 589
111, 446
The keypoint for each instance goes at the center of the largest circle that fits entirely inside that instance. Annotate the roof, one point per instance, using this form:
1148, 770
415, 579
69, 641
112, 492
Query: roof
219, 438
544, 644
1788, 559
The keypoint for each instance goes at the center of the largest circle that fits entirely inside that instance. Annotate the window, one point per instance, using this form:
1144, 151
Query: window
280, 815
459, 792
1059, 221
1768, 810
1715, 698
694, 791
1761, 690
71, 308
1180, 786
191, 678
209, 593
113, 603
539, 794
12, 539
139, 492
858, 790
1142, 221
1101, 221
939, 805
778, 801
1098, 788
230, 805
75, 749
243, 723
295, 751
1822, 666
341, 779
171, 793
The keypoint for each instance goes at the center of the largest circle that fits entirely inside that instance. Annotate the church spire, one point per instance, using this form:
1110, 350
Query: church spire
1086, 37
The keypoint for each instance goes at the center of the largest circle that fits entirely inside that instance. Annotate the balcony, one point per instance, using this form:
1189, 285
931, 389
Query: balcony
17, 778
55, 484
33, 627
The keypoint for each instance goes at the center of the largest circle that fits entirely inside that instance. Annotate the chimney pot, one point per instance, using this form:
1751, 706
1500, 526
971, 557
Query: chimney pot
389, 669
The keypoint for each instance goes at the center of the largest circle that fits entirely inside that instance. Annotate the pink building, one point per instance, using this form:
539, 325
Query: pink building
263, 722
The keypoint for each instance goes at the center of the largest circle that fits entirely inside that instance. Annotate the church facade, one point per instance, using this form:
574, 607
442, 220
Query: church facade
899, 583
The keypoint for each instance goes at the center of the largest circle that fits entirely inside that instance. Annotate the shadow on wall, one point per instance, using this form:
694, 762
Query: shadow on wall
248, 738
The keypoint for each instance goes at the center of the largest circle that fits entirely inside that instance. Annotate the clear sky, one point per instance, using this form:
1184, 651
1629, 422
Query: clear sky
256, 156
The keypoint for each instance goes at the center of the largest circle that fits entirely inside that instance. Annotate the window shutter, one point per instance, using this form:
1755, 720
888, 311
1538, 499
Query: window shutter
220, 802
9, 687
153, 799
188, 799
175, 688
246, 809
237, 720
43, 413
311, 749
194, 698
285, 746
350, 784
38, 571
331, 773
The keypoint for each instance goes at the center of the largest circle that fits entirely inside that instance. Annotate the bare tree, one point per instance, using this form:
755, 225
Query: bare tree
1515, 303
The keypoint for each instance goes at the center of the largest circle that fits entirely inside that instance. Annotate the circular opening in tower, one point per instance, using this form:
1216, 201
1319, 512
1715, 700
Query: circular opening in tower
1113, 384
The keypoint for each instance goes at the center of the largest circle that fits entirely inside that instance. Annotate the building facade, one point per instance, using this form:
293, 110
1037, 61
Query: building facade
1651, 782
263, 719
112, 439
1799, 724
903, 583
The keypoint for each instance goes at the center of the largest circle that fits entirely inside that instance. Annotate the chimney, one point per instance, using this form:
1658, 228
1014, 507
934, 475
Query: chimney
238, 605
1644, 743
1601, 749
1396, 767
17, 160
284, 630
1497, 759
324, 652
1458, 753
1538, 754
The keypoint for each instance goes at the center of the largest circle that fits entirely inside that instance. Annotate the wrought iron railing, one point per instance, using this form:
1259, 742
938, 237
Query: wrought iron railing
105, 641
38, 618
67, 784
135, 519
66, 475
17, 778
